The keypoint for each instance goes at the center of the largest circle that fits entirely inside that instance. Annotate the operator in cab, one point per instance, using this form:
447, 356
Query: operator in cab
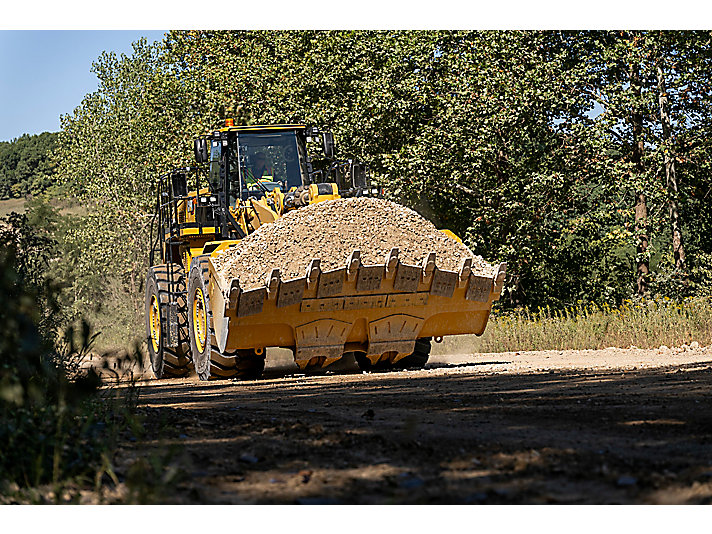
259, 169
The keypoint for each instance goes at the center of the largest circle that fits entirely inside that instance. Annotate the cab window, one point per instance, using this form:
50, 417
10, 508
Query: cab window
214, 171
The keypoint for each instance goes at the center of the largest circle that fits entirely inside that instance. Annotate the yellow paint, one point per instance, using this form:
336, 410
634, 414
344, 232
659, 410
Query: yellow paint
262, 127
155, 322
200, 323
452, 235
353, 320
224, 245
315, 197
197, 231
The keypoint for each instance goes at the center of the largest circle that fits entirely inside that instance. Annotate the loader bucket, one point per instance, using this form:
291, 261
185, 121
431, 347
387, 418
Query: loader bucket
374, 309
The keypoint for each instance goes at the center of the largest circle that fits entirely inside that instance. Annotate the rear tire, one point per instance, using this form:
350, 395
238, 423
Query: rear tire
210, 363
166, 361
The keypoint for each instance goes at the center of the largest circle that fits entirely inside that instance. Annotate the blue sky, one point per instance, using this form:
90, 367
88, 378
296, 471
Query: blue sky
45, 74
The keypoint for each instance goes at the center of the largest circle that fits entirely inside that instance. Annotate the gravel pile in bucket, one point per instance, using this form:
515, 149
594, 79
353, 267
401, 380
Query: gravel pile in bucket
331, 231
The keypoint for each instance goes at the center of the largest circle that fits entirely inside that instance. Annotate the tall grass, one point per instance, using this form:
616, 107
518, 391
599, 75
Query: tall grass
643, 323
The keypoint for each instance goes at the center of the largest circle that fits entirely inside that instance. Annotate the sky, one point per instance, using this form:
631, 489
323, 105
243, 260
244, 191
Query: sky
46, 73
46, 52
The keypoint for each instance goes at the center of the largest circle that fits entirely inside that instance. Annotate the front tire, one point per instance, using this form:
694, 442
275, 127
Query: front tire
416, 360
365, 364
208, 360
419, 358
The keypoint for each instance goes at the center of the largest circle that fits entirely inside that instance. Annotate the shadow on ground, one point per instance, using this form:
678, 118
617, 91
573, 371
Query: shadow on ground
448, 435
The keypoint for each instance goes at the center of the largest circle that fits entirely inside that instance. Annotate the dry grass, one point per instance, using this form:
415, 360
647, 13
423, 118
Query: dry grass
645, 324
13, 204
66, 206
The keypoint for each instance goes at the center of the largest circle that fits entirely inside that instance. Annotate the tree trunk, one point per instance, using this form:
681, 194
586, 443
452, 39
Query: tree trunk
641, 206
678, 248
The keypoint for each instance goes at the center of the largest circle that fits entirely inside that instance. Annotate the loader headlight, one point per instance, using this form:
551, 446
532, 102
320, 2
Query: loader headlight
203, 200
213, 199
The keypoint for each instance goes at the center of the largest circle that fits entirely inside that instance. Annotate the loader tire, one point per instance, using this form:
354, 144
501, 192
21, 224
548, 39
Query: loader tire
365, 364
419, 358
210, 363
166, 361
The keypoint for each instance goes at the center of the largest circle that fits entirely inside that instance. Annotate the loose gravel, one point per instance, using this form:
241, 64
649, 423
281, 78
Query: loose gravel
331, 231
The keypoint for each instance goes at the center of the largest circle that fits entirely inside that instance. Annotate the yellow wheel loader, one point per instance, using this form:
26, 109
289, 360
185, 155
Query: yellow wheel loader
385, 315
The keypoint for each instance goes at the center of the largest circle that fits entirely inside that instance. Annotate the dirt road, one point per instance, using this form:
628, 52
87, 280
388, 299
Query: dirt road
612, 426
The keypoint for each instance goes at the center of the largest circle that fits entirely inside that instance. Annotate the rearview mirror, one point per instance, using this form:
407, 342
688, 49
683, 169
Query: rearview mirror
328, 138
200, 147
179, 184
359, 179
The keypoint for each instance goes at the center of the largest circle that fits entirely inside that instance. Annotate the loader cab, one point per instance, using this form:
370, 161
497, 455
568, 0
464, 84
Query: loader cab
260, 161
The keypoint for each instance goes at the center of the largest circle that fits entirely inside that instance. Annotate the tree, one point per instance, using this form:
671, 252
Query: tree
26, 165
498, 136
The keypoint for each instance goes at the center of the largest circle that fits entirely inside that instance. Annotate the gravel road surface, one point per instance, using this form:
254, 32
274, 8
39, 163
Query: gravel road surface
599, 426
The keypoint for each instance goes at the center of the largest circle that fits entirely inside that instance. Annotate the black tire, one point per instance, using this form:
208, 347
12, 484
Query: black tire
167, 361
419, 358
365, 364
210, 363
316, 365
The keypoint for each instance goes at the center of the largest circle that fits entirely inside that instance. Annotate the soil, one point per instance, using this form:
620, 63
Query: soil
598, 426
331, 231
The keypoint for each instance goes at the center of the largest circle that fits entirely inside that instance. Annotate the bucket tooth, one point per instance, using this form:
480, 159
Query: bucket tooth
233, 296
353, 264
313, 271
391, 263
444, 283
272, 283
407, 278
370, 277
291, 292
331, 283
465, 270
428, 266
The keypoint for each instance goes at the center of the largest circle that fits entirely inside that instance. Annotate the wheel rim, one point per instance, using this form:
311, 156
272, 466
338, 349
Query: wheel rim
155, 323
200, 326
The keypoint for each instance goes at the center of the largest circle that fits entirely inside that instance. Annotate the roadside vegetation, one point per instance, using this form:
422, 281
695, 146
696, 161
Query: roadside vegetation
643, 323
57, 428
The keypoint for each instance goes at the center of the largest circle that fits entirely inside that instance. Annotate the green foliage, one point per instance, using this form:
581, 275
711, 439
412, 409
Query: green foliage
57, 429
26, 167
522, 143
39, 406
